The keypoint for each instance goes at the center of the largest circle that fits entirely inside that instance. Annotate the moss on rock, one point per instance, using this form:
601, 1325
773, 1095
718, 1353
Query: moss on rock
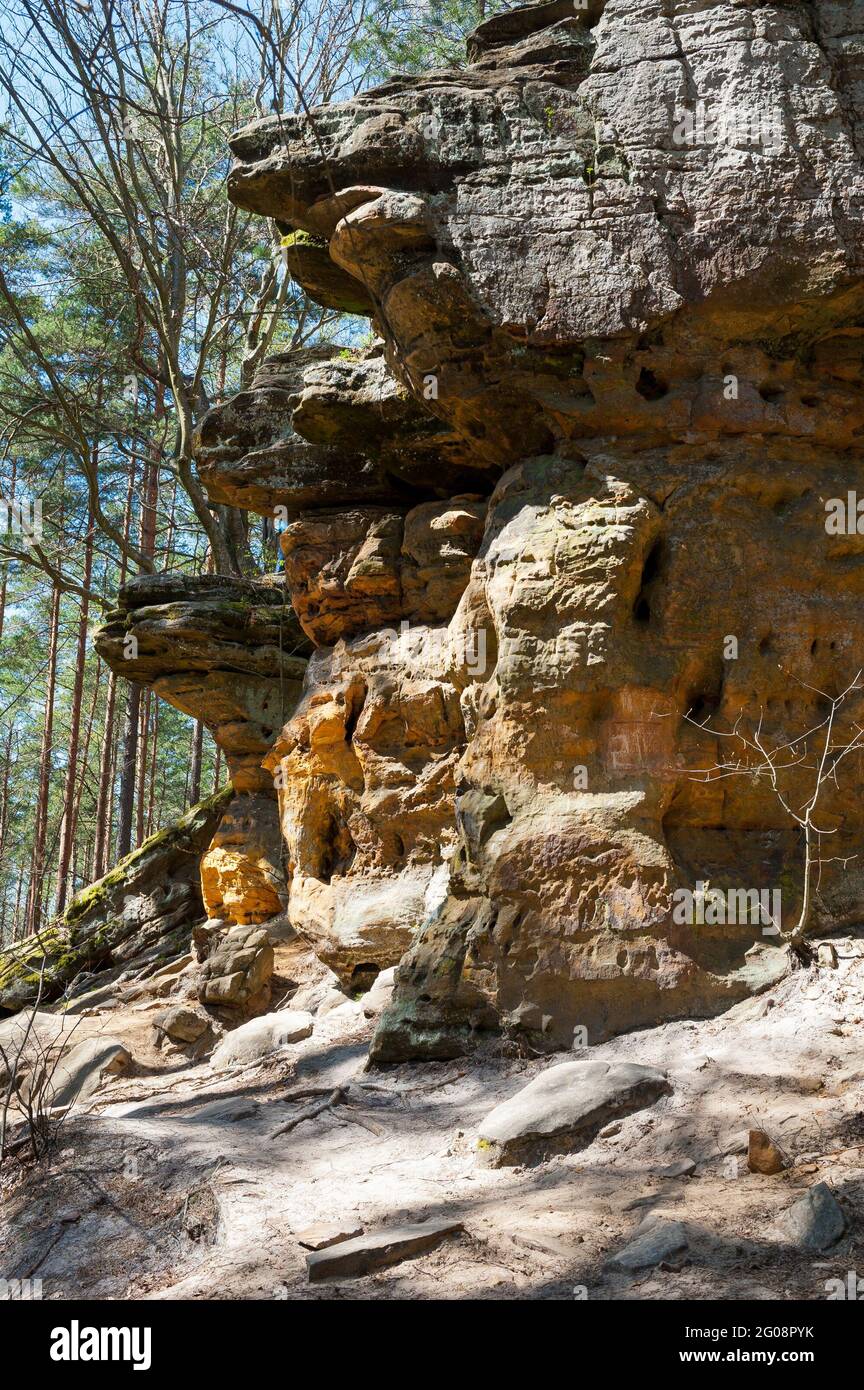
98, 928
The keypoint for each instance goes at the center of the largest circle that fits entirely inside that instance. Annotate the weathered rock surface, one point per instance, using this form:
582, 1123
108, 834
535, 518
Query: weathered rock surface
366, 777
568, 526
816, 1221
324, 427
626, 246
230, 653
658, 1241
255, 1040
81, 1071
322, 1235
533, 221
226, 651
236, 974
349, 571
308, 261
140, 913
242, 872
378, 996
377, 1250
181, 1024
563, 1109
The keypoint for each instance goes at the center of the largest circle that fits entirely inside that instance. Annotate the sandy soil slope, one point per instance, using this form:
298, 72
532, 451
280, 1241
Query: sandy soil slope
171, 1183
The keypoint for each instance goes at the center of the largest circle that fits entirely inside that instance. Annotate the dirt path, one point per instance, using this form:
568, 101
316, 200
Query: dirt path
174, 1186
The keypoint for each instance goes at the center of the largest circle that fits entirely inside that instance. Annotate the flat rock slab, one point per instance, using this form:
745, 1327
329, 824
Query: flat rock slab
563, 1109
230, 1110
816, 1222
321, 1235
659, 1241
351, 1258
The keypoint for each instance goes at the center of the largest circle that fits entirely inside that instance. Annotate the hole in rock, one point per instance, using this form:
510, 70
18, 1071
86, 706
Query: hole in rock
355, 699
704, 706
363, 976
771, 393
650, 573
650, 387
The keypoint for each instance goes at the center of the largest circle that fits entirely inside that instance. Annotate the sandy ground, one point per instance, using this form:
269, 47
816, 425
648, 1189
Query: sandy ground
172, 1184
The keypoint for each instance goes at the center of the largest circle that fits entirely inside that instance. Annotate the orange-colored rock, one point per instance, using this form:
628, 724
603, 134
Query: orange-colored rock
230, 653
242, 875
350, 571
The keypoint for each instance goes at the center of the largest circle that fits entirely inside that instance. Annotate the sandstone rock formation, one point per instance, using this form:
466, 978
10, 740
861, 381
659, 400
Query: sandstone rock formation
559, 528
236, 973
230, 653
625, 248
138, 915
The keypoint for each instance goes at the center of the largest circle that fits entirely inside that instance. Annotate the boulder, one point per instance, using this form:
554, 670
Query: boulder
816, 1221
235, 977
564, 1108
181, 1024
81, 1071
260, 1037
656, 1241
763, 1155
378, 995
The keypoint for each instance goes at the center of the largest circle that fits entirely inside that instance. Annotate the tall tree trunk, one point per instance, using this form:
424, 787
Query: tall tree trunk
128, 761
40, 832
4, 822
195, 763
106, 780
82, 843
151, 799
149, 503
67, 829
17, 921
4, 572
108, 751
143, 765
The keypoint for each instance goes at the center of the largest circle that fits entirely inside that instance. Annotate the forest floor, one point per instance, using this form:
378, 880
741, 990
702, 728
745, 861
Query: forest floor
170, 1183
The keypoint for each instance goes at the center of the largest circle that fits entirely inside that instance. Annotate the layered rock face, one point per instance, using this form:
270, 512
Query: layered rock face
230, 653
618, 260
378, 541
